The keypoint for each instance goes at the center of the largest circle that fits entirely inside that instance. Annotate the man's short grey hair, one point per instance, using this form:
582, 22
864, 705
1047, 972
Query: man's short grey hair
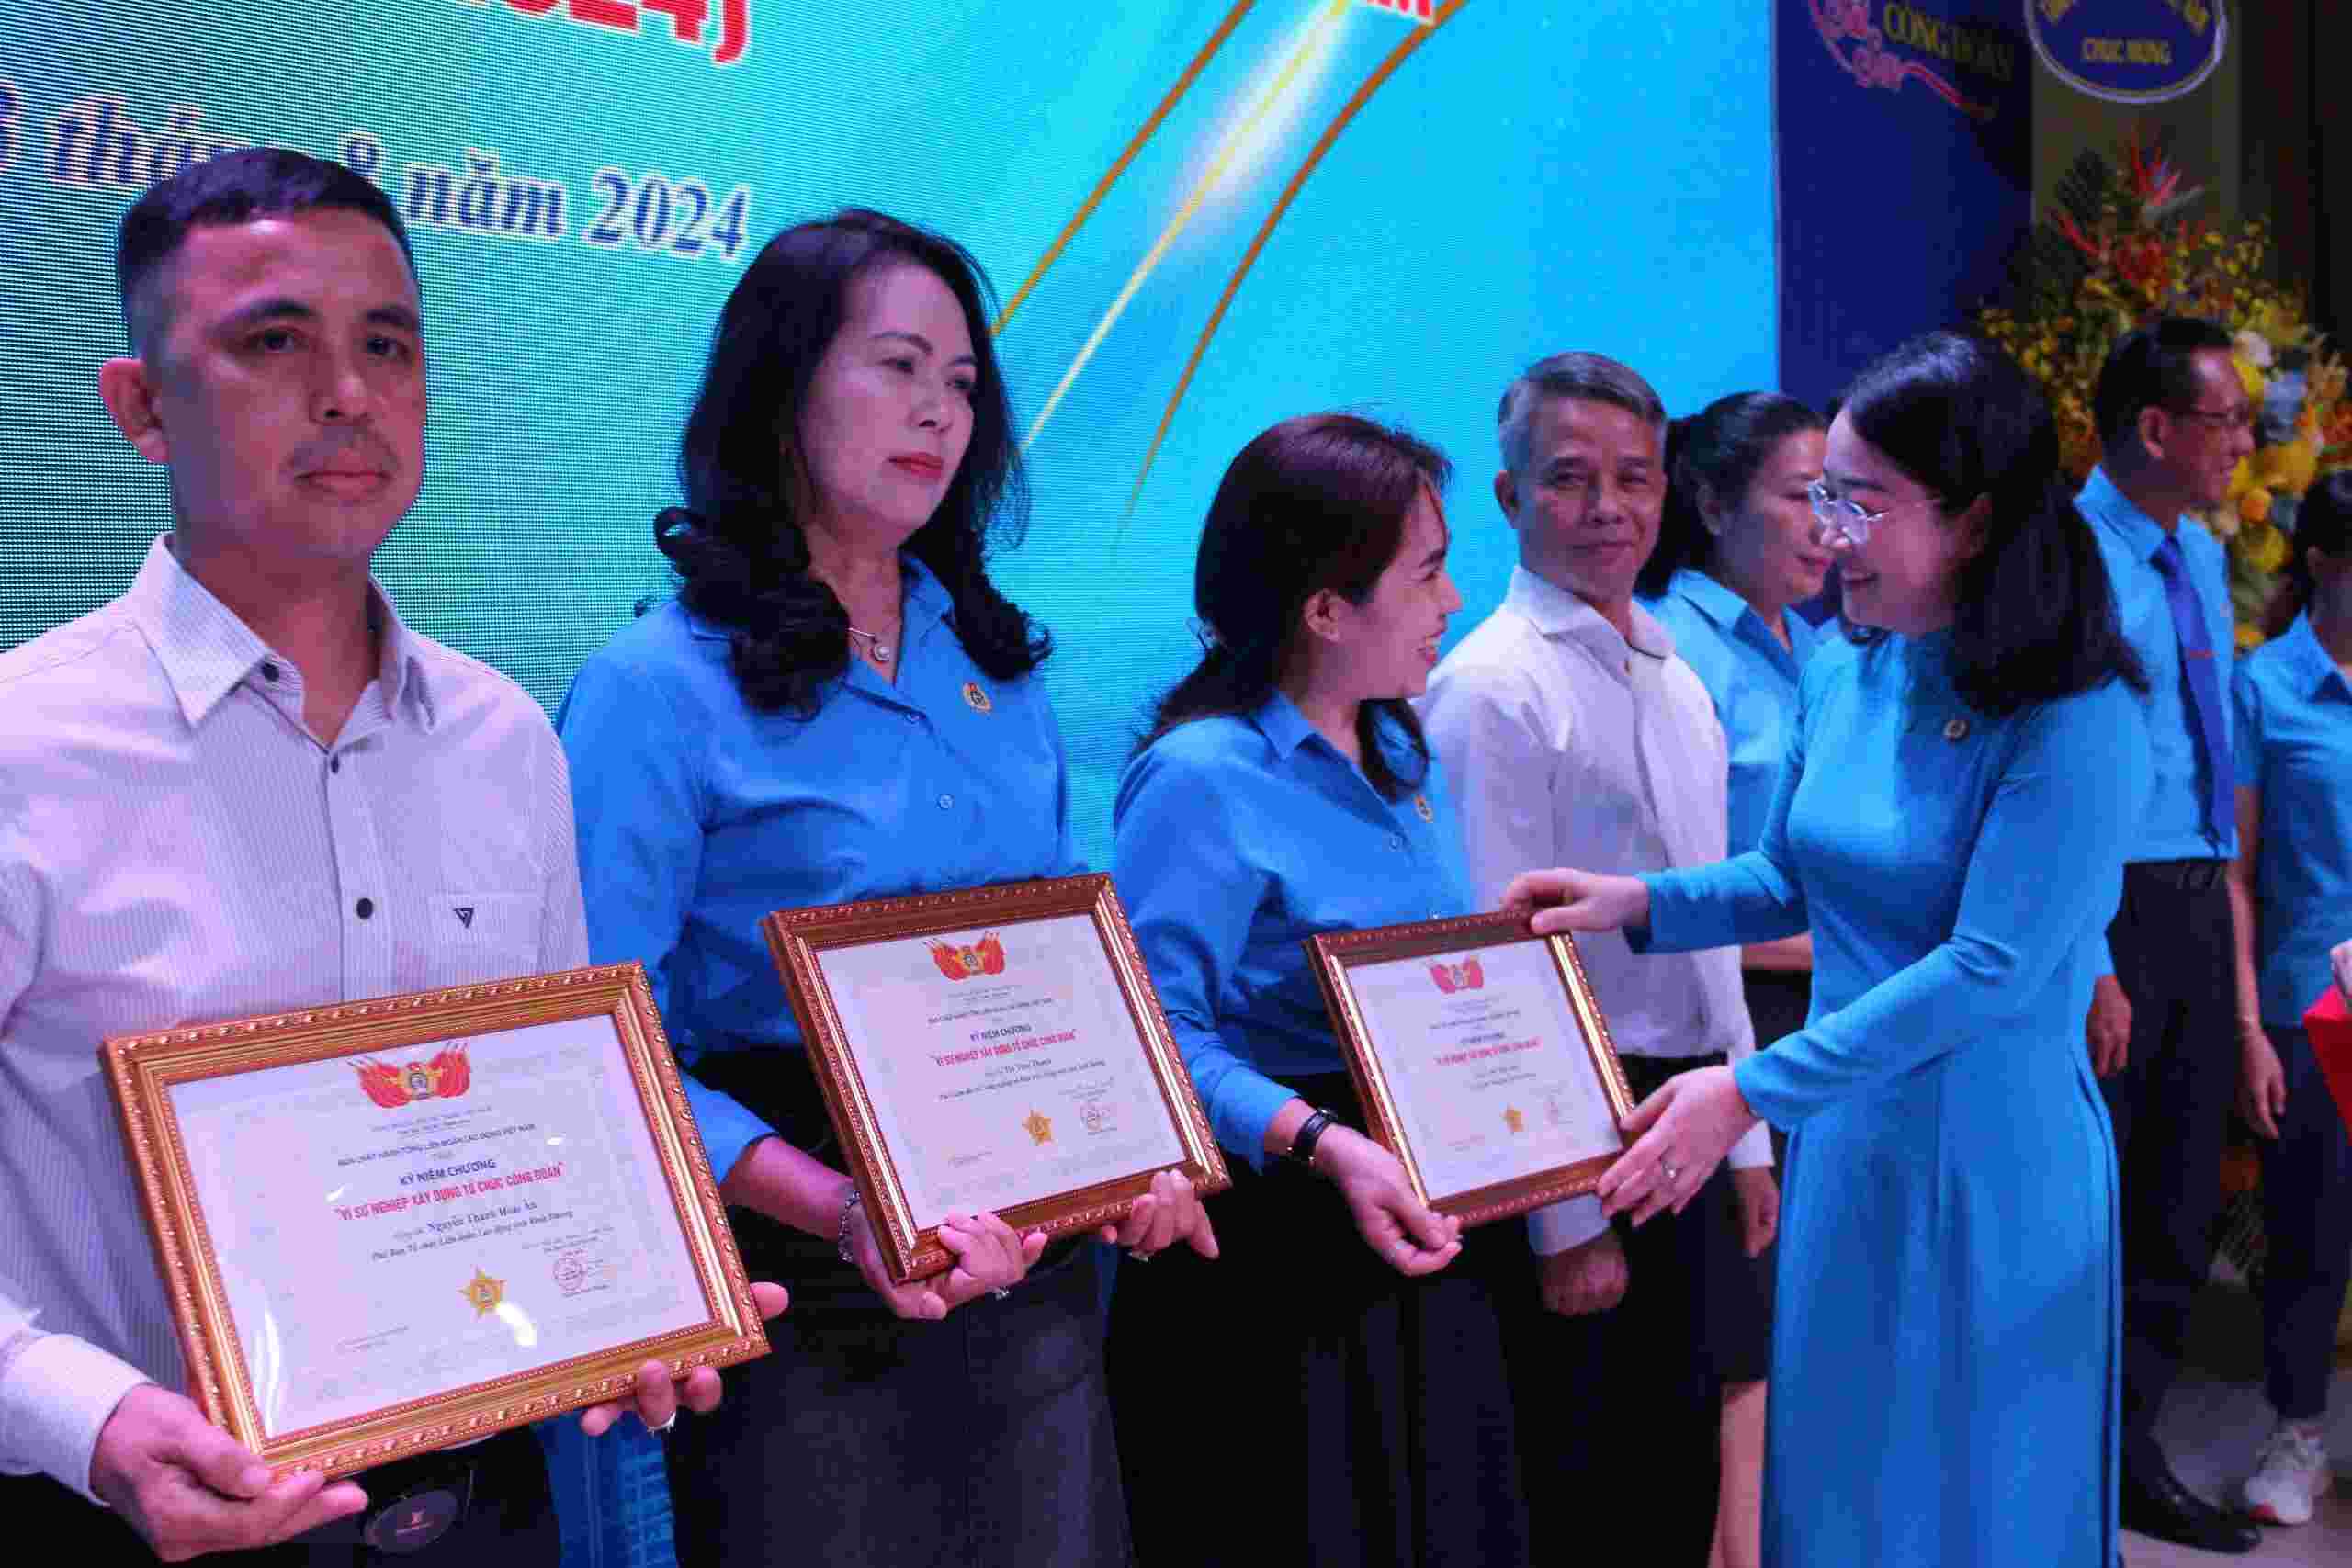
1592, 378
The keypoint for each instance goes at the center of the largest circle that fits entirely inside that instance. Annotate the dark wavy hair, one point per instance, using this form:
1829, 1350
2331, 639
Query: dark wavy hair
2323, 523
1716, 453
2035, 617
737, 546
1316, 503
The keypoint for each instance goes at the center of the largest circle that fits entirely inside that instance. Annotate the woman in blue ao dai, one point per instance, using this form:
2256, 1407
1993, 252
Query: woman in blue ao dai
1951, 827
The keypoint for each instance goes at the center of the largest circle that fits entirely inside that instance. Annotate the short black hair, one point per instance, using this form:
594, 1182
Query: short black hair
237, 187
1584, 378
2035, 618
2152, 366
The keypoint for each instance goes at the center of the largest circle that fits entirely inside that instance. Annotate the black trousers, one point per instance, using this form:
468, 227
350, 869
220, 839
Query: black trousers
2307, 1220
2171, 1105
509, 1521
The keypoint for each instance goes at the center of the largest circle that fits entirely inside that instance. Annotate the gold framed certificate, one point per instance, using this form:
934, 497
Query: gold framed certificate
1481, 1057
997, 1049
399, 1225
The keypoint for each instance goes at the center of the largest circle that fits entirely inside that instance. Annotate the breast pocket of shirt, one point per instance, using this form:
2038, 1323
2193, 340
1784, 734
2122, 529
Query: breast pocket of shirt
473, 937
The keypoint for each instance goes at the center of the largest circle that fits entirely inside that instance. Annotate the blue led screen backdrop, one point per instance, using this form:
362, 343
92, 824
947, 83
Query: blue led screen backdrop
1485, 181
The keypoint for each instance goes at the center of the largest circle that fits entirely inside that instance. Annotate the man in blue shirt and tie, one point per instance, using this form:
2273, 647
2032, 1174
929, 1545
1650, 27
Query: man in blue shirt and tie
2174, 421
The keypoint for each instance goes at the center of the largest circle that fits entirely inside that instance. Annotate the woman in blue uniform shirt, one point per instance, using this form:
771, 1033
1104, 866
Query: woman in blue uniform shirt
2291, 889
1738, 545
1952, 826
838, 706
1341, 1366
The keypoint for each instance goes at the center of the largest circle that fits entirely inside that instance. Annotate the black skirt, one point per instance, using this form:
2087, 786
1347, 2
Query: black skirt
980, 1440
1299, 1401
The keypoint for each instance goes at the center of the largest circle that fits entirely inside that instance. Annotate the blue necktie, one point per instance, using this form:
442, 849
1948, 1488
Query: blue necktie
2201, 689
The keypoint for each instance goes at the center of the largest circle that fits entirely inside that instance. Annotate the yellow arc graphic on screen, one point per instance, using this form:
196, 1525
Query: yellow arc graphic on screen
1317, 34
1318, 37
1323, 144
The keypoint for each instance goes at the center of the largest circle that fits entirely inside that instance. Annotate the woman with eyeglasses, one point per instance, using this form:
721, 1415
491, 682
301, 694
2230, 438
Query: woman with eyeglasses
1951, 827
2290, 888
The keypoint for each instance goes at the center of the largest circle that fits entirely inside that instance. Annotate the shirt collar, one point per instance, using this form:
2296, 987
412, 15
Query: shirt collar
207, 651
2100, 499
1725, 608
1284, 728
1555, 611
924, 601
2301, 647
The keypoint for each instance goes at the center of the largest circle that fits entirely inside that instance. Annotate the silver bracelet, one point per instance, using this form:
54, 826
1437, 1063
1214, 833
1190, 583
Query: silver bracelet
850, 1199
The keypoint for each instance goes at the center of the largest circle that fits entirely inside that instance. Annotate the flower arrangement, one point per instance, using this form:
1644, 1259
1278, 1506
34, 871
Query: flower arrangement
2117, 251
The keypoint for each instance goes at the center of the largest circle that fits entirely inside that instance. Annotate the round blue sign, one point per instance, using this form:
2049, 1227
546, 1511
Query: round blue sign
2128, 51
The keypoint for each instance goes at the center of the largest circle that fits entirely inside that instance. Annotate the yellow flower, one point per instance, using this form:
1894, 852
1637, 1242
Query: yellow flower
2248, 637
2249, 377
2253, 506
2264, 548
2241, 479
2289, 467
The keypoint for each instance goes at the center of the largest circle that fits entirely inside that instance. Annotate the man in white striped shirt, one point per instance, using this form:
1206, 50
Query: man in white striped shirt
247, 787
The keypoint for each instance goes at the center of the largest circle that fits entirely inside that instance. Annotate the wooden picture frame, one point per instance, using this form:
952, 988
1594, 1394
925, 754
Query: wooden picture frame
999, 1049
394, 1226
1481, 1057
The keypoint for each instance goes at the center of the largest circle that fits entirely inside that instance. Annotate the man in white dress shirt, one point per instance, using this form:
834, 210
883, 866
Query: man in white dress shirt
247, 787
1572, 735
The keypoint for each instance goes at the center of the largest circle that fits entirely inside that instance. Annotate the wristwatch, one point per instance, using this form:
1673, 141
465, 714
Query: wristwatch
1310, 1133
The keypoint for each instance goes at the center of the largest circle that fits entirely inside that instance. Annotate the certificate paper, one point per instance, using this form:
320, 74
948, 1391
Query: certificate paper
489, 1207
999, 1049
1006, 1081
1481, 1057
414, 1221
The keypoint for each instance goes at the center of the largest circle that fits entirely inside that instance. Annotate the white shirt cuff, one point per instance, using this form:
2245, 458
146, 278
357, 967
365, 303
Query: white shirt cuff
1559, 1227
1753, 1149
56, 1394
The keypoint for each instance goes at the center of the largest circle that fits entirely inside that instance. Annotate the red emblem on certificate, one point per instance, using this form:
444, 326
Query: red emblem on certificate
1464, 976
985, 956
444, 1077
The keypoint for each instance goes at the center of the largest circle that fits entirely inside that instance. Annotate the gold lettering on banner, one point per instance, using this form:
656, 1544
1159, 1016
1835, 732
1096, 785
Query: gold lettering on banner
1986, 52
2056, 10
2127, 51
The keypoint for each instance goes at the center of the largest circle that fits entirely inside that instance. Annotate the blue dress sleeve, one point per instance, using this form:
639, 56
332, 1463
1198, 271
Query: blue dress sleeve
1750, 897
1190, 897
2041, 883
2246, 733
636, 806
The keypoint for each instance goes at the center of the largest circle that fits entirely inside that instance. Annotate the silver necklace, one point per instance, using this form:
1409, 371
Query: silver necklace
875, 645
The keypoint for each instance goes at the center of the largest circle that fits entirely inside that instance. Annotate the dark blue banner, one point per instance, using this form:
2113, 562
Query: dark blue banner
2130, 51
1905, 181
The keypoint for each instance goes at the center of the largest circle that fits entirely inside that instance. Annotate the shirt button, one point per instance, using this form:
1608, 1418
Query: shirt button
946, 802
1396, 840
364, 907
334, 764
269, 671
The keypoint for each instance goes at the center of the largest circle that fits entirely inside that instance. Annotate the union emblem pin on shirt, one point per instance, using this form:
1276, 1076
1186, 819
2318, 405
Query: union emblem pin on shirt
976, 698
1421, 804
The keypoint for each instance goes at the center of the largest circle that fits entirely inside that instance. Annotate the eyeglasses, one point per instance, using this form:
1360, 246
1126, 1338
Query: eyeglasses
1835, 512
2239, 418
